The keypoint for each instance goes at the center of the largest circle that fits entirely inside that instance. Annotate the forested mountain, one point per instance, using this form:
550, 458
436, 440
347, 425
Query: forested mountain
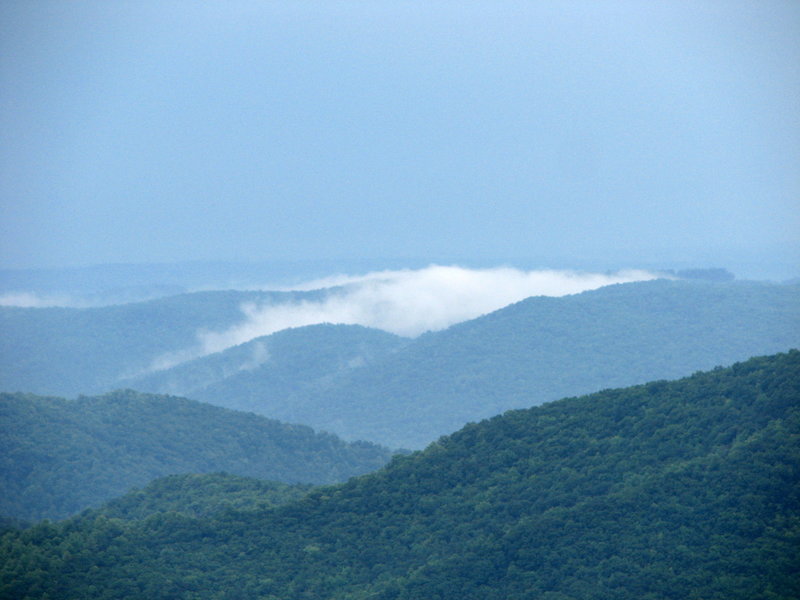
58, 457
537, 350
277, 366
72, 351
200, 495
364, 384
673, 490
193, 494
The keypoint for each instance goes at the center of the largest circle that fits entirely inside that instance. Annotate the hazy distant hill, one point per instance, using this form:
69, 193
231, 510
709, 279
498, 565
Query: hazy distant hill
275, 366
365, 384
540, 349
105, 284
672, 490
58, 457
71, 351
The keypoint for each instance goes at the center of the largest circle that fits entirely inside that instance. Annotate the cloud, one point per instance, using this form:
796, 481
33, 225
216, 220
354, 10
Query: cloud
410, 302
259, 354
32, 300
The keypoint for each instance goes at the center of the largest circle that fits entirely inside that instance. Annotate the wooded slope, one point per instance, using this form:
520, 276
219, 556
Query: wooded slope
72, 351
537, 350
291, 362
674, 490
58, 457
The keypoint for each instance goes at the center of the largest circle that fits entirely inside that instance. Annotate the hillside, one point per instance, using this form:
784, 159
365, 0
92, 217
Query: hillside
673, 490
274, 366
361, 383
200, 495
72, 351
537, 350
58, 457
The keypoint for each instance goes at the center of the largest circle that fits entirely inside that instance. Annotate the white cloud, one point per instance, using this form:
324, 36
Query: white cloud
259, 354
410, 302
32, 300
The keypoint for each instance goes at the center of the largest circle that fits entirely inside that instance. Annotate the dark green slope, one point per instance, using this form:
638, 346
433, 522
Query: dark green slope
58, 457
542, 349
71, 351
670, 490
274, 366
199, 495
192, 494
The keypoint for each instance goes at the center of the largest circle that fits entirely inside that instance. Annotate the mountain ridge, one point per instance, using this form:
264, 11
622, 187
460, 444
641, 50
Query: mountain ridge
408, 392
670, 489
71, 351
540, 349
274, 365
60, 456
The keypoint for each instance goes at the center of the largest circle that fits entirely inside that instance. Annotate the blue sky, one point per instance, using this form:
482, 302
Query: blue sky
626, 132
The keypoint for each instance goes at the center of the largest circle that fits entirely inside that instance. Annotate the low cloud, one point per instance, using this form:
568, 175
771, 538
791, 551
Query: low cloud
410, 302
33, 300
259, 354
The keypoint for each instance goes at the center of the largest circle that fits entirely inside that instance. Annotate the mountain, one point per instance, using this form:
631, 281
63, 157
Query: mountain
363, 384
191, 494
58, 457
537, 350
107, 284
200, 495
669, 490
274, 366
72, 351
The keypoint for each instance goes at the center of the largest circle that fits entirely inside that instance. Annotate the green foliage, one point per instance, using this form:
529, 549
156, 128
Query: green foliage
198, 495
58, 457
670, 490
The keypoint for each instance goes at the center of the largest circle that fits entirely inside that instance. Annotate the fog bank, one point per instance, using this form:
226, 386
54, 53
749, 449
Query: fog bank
410, 302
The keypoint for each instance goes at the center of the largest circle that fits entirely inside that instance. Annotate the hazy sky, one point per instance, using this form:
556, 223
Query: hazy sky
164, 131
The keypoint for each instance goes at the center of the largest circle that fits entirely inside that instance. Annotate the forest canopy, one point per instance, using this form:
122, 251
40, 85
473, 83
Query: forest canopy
683, 489
62, 456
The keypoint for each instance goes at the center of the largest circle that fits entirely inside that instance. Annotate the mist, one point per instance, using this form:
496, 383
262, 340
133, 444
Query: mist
410, 302
34, 300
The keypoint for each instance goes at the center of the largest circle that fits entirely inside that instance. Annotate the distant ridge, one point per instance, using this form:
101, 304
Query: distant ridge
361, 383
536, 350
73, 351
274, 366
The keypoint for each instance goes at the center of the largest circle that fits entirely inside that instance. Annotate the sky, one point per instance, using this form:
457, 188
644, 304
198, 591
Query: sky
631, 133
